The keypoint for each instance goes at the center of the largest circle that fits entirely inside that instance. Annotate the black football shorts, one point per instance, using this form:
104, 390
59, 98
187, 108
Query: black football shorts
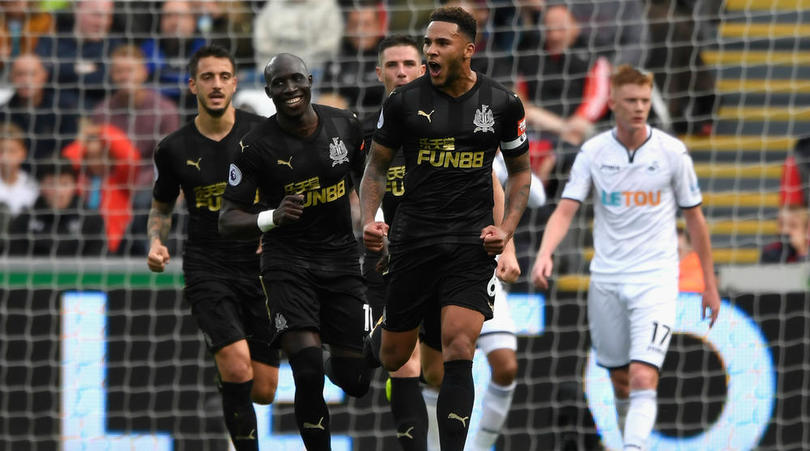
425, 279
334, 304
229, 310
375, 284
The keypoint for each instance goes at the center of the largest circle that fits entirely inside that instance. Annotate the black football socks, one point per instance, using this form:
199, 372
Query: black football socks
311, 413
454, 407
410, 414
240, 418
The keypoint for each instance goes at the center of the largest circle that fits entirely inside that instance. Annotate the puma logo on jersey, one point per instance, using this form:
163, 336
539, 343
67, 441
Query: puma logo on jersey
250, 436
463, 420
286, 163
315, 426
406, 433
427, 115
196, 164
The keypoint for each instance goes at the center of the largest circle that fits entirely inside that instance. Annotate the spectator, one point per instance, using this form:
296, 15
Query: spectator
167, 54
795, 175
690, 272
18, 190
686, 83
21, 25
530, 18
137, 20
352, 74
106, 161
46, 116
58, 225
310, 29
229, 23
565, 87
488, 58
79, 58
142, 113
616, 29
145, 115
793, 242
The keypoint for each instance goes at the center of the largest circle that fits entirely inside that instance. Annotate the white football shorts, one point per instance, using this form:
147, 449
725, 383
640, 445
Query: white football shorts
631, 322
498, 332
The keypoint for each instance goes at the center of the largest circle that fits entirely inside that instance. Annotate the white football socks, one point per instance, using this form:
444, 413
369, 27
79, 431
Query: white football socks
640, 418
431, 399
494, 408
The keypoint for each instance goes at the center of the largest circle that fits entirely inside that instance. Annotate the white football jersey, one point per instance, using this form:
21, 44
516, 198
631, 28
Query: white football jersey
635, 197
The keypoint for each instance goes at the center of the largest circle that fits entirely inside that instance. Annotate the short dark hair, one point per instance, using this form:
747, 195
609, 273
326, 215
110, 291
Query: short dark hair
454, 14
214, 50
280, 57
55, 167
396, 40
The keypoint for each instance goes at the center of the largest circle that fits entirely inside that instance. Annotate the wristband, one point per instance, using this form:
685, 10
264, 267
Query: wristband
265, 220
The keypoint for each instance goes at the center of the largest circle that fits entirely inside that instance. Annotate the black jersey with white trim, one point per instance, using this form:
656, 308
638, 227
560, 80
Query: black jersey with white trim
188, 160
395, 178
321, 167
449, 144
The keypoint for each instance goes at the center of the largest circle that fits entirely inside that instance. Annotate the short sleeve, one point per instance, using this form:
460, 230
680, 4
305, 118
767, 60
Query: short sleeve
579, 181
242, 178
685, 183
388, 133
167, 187
514, 141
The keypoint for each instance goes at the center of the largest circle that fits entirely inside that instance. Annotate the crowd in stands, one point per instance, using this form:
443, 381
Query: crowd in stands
89, 87
794, 228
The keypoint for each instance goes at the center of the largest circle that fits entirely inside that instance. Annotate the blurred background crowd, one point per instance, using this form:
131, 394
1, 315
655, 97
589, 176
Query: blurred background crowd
89, 87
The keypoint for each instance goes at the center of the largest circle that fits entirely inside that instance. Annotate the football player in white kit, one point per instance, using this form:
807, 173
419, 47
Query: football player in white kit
640, 177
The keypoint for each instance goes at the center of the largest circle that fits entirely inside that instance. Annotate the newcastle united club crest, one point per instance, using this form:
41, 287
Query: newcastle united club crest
338, 152
484, 121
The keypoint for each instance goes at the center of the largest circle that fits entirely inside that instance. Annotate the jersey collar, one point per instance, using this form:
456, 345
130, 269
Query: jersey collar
631, 154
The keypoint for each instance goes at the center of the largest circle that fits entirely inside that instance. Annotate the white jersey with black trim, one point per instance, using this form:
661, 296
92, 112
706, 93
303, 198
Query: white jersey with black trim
636, 196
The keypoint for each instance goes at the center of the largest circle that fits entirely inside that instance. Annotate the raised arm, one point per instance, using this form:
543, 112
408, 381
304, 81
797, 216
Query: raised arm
238, 222
372, 190
701, 242
158, 225
556, 229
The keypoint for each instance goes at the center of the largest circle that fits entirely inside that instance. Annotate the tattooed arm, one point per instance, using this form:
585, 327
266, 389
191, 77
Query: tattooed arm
518, 185
158, 226
372, 190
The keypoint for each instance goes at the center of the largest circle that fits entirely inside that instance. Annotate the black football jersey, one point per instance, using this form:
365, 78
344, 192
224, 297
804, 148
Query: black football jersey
395, 179
188, 160
449, 144
321, 167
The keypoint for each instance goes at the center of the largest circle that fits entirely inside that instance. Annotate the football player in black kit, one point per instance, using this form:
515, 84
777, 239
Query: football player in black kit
304, 160
221, 275
449, 124
399, 62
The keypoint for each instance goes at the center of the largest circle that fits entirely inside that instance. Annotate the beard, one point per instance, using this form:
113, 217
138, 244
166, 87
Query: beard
214, 112
452, 72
